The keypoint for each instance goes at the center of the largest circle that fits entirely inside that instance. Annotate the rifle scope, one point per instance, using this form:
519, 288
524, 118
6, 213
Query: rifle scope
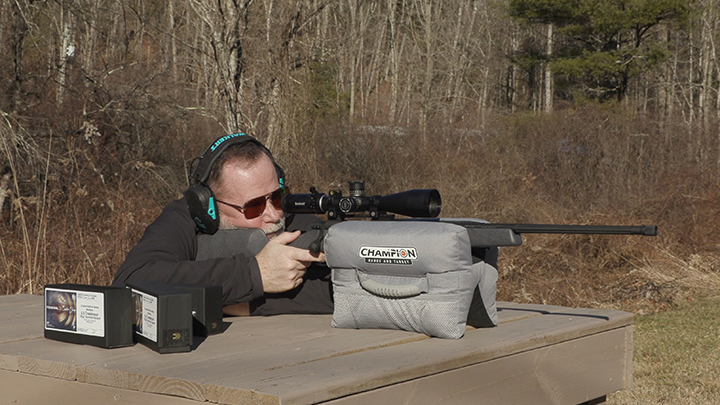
418, 203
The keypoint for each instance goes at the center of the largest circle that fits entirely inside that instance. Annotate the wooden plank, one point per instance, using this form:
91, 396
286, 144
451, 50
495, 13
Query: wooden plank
70, 353
337, 376
133, 368
83, 363
21, 317
8, 362
629, 350
301, 359
262, 361
570, 372
287, 348
20, 299
229, 395
56, 369
46, 390
509, 312
226, 355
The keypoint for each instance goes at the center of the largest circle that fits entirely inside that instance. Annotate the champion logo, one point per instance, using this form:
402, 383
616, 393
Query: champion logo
388, 255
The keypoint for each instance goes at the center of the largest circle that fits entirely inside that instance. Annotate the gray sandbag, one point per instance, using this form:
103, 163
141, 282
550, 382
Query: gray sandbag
408, 275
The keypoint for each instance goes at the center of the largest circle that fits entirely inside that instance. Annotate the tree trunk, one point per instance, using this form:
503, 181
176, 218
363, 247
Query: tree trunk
672, 84
691, 84
465, 24
427, 20
374, 70
484, 97
171, 52
17, 36
354, 58
512, 71
225, 20
548, 102
268, 18
65, 52
394, 62
271, 103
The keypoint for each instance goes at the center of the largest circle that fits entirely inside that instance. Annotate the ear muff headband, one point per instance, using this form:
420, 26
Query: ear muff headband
199, 197
213, 152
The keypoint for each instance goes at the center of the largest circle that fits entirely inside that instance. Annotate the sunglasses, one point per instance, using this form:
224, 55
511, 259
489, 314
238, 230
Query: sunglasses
255, 207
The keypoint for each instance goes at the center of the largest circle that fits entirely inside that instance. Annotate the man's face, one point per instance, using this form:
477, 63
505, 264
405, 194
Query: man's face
240, 183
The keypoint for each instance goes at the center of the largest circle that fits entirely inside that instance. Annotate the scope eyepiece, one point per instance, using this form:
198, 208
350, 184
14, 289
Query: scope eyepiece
315, 203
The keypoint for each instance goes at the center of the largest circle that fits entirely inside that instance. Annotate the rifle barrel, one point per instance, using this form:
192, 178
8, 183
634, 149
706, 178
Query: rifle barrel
646, 230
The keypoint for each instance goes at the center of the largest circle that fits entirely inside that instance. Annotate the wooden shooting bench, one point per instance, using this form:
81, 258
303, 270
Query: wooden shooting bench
539, 354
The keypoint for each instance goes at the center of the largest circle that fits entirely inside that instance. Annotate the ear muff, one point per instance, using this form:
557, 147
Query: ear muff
202, 207
199, 197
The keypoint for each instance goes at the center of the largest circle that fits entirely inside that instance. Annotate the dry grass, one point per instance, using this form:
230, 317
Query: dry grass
595, 165
67, 218
676, 356
77, 204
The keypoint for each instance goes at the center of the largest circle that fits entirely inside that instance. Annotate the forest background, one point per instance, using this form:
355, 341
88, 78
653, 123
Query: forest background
547, 111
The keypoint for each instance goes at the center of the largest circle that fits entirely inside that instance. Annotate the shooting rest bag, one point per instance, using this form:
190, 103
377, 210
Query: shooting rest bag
409, 275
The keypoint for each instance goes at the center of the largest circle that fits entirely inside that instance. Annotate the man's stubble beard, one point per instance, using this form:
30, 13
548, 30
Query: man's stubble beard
271, 231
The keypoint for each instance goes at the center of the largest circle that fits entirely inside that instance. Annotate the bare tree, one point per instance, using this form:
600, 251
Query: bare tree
226, 23
427, 14
394, 60
548, 77
709, 25
171, 48
19, 12
67, 50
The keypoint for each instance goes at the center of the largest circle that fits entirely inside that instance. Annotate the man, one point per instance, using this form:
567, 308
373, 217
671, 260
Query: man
244, 185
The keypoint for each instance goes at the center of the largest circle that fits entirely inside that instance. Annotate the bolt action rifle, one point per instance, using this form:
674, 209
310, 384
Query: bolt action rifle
425, 205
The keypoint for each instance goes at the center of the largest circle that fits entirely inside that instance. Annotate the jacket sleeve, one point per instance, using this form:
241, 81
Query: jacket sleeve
167, 251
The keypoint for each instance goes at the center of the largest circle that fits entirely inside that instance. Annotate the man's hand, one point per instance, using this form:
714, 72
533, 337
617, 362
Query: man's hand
282, 267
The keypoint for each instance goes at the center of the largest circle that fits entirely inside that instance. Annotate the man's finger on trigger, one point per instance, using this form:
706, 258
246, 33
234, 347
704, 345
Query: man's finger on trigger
286, 237
306, 256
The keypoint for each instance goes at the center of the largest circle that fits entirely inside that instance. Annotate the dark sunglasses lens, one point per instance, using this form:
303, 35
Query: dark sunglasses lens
254, 208
276, 198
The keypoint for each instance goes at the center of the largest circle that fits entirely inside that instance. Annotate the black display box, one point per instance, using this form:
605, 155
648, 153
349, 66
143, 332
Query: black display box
206, 308
87, 314
206, 305
162, 317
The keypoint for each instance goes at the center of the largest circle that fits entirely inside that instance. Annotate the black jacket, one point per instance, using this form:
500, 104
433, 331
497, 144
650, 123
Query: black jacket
167, 252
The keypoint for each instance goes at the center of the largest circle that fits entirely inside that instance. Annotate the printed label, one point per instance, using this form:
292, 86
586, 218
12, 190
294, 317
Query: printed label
388, 255
81, 312
145, 319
